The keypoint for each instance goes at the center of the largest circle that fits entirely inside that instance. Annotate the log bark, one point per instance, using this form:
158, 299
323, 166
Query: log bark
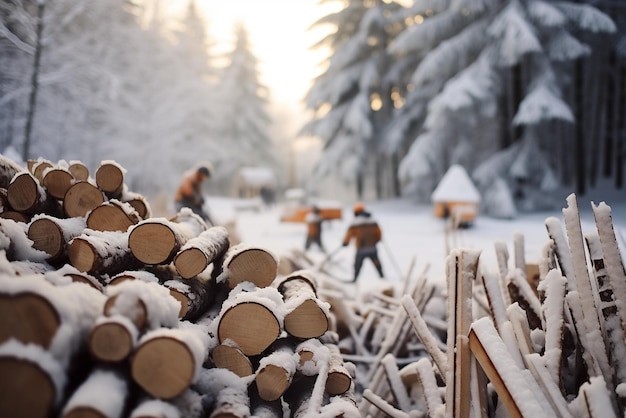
110, 179
306, 317
26, 195
199, 252
275, 373
101, 253
8, 170
339, 379
248, 263
90, 401
112, 215
81, 198
138, 202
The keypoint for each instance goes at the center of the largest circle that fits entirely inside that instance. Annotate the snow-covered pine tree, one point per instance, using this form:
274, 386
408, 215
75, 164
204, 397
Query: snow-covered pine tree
244, 134
470, 49
352, 100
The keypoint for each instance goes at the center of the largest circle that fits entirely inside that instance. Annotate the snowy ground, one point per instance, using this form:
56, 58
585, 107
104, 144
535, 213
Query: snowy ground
409, 231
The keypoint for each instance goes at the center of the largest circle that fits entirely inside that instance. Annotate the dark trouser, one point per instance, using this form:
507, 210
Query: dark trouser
317, 239
361, 255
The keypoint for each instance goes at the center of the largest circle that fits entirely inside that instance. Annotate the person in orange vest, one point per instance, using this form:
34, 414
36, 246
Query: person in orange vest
314, 220
189, 192
366, 234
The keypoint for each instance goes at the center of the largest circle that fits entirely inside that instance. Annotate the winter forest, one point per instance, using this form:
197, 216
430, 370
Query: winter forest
527, 95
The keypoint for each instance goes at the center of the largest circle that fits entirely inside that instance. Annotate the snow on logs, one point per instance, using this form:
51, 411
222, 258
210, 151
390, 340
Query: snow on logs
111, 313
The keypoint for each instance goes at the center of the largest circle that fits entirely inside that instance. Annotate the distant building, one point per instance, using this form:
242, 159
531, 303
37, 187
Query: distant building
255, 182
456, 196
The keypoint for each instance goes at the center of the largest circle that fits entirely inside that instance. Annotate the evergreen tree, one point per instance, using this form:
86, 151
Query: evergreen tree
475, 53
243, 100
351, 100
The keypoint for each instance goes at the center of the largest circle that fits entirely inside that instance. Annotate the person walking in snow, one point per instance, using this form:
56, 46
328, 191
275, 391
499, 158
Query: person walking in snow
313, 221
366, 234
189, 192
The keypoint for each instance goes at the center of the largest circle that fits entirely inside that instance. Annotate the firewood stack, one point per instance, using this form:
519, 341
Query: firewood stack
519, 345
106, 311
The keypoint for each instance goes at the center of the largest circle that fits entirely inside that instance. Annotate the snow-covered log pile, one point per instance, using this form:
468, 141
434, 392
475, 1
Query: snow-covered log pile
152, 317
515, 345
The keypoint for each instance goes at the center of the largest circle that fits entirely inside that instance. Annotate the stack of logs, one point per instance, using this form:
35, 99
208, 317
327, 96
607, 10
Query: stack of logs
106, 311
521, 340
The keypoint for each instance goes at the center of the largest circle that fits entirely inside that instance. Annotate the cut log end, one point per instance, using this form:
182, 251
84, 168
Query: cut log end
252, 326
82, 255
110, 179
338, 383
22, 193
27, 391
46, 237
57, 182
28, 318
152, 243
79, 171
163, 367
306, 321
190, 262
272, 381
233, 359
81, 198
109, 218
110, 342
253, 265
184, 302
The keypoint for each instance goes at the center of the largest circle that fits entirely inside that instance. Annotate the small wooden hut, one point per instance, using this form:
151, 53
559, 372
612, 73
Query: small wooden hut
456, 196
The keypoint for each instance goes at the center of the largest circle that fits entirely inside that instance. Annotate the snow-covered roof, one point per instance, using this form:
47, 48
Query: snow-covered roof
456, 185
257, 176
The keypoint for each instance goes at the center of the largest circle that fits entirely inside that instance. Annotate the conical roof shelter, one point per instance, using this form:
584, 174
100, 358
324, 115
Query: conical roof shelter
456, 195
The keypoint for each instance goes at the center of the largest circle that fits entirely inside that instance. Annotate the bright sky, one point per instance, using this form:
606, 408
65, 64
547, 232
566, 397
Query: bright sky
279, 37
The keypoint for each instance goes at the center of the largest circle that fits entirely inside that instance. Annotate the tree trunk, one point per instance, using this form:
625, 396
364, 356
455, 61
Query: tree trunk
34, 88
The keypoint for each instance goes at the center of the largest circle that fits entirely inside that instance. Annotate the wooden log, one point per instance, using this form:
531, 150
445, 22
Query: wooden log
15, 216
8, 170
98, 253
81, 198
229, 357
31, 383
89, 400
199, 252
521, 292
249, 263
52, 235
261, 408
112, 215
154, 408
553, 309
57, 182
339, 379
168, 361
249, 320
80, 277
157, 240
195, 295
112, 339
226, 395
39, 166
28, 318
275, 373
26, 195
138, 202
517, 393
110, 179
428, 382
306, 316
79, 170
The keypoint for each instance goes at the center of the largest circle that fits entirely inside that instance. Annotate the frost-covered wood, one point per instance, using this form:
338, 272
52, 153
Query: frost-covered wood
81, 198
201, 251
26, 195
244, 262
112, 215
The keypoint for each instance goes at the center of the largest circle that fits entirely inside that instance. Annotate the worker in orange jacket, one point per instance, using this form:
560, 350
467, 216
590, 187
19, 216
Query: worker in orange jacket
366, 234
189, 193
313, 221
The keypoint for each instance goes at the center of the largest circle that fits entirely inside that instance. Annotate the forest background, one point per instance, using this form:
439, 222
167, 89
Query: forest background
528, 95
